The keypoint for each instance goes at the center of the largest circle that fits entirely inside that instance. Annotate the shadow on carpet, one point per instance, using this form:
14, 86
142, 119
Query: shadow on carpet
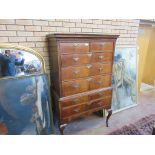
142, 127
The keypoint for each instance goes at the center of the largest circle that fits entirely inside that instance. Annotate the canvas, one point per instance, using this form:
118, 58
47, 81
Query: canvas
124, 78
25, 106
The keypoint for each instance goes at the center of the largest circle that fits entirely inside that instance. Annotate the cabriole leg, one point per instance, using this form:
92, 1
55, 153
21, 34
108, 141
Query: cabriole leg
109, 114
62, 127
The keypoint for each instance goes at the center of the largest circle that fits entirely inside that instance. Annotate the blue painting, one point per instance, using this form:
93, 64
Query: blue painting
124, 78
25, 106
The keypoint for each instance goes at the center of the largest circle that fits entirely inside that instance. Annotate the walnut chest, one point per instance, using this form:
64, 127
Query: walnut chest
81, 74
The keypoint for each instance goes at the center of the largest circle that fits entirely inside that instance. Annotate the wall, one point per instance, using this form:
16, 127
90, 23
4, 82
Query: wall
143, 40
32, 33
149, 71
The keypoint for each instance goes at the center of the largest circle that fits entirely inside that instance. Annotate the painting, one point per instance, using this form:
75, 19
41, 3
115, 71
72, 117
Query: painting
124, 78
25, 107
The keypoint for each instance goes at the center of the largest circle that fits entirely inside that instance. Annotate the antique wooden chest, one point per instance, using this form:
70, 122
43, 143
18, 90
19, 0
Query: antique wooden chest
81, 74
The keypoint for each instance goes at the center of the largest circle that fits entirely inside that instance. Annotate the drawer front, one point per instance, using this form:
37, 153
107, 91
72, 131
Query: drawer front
100, 94
75, 59
77, 109
100, 82
99, 68
73, 110
75, 87
101, 46
69, 73
79, 59
102, 57
82, 85
74, 101
75, 47
105, 103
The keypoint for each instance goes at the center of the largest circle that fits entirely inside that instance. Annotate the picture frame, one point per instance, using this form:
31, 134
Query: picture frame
25, 106
124, 78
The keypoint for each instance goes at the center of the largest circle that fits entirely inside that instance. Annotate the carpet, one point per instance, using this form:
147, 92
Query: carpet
143, 126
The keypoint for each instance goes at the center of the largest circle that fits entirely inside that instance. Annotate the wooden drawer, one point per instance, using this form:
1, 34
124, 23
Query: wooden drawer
80, 59
101, 46
82, 85
74, 101
74, 47
100, 68
105, 103
69, 73
75, 87
73, 110
100, 82
77, 109
75, 59
100, 94
102, 57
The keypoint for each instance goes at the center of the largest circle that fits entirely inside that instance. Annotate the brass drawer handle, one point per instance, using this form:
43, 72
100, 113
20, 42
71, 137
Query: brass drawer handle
89, 66
76, 100
100, 69
100, 93
99, 103
76, 72
101, 57
76, 110
75, 85
89, 79
90, 54
76, 59
75, 44
99, 82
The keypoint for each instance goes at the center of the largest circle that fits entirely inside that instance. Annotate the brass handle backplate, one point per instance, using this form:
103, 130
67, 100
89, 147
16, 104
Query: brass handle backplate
76, 72
101, 57
76, 110
100, 69
89, 66
99, 82
76, 59
76, 100
76, 85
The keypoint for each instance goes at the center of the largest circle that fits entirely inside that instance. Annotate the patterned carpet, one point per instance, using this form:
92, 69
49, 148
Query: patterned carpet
142, 127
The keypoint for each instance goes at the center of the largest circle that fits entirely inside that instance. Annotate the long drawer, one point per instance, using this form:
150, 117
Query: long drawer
80, 59
77, 109
83, 85
69, 73
86, 98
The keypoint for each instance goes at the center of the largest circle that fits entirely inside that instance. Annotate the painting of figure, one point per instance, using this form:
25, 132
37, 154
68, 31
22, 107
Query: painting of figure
25, 107
124, 78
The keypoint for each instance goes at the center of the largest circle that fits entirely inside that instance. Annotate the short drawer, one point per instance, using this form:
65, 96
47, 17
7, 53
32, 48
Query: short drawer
105, 103
100, 68
100, 82
73, 110
75, 87
102, 57
101, 46
74, 101
100, 94
68, 73
74, 47
75, 59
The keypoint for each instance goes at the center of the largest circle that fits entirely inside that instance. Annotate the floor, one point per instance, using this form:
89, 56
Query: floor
95, 125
